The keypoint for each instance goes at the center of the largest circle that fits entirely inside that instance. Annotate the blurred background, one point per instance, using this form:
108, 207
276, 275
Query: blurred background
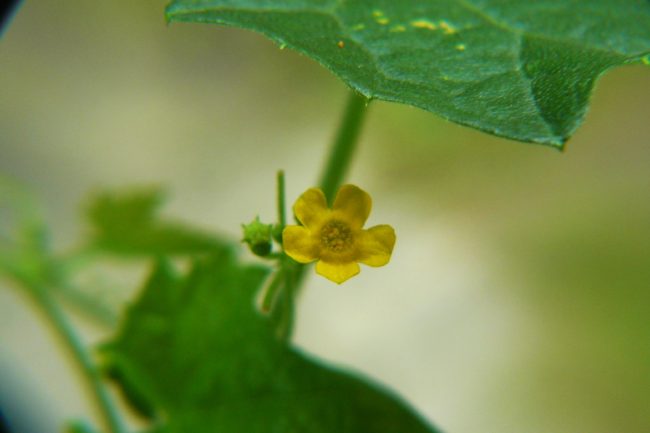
518, 296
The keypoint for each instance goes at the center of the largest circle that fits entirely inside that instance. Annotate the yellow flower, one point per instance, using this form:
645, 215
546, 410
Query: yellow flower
335, 237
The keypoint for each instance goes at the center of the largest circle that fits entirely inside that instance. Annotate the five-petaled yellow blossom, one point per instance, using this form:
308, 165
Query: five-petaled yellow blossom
335, 237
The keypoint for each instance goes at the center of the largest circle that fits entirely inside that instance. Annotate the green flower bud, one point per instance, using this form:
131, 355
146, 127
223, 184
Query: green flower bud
258, 236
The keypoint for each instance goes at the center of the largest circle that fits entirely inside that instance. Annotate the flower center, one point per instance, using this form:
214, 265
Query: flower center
336, 236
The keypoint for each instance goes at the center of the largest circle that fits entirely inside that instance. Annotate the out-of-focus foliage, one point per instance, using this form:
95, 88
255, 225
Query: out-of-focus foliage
24, 247
80, 427
193, 352
128, 224
521, 70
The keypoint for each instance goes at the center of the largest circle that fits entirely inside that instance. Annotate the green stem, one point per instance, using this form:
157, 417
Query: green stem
282, 213
272, 290
85, 304
66, 332
344, 144
293, 272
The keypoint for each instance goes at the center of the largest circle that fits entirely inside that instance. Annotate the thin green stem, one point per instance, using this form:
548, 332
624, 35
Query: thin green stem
271, 293
287, 298
83, 303
282, 213
66, 332
344, 145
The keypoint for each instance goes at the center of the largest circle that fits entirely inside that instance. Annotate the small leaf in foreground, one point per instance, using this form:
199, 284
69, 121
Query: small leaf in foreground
197, 351
519, 69
24, 238
127, 223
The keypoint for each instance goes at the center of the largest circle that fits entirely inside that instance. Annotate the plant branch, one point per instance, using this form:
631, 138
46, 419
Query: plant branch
282, 213
344, 145
48, 306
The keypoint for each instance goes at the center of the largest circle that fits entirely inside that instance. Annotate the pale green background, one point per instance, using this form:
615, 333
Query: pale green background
518, 297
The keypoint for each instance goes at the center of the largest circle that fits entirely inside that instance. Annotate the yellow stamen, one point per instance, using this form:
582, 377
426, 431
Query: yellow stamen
336, 236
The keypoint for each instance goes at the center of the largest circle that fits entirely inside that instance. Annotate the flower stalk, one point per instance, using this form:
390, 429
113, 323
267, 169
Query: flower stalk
342, 151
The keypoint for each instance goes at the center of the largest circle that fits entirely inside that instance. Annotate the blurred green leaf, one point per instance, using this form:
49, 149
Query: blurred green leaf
80, 426
127, 223
21, 222
518, 69
24, 239
196, 356
26, 256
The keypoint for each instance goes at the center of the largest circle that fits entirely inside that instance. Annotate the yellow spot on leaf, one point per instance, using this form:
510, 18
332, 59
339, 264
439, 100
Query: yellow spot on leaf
340, 44
380, 18
359, 26
447, 28
461, 47
398, 28
423, 24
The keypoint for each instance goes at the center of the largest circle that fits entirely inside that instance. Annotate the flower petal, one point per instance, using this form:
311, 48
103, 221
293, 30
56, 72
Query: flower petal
353, 204
337, 272
299, 244
376, 245
311, 207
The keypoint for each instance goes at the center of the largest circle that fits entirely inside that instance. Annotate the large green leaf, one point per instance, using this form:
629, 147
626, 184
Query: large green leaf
518, 69
195, 356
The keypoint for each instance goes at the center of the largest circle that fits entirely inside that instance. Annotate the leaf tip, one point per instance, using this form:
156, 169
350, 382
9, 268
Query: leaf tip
170, 13
558, 143
645, 60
